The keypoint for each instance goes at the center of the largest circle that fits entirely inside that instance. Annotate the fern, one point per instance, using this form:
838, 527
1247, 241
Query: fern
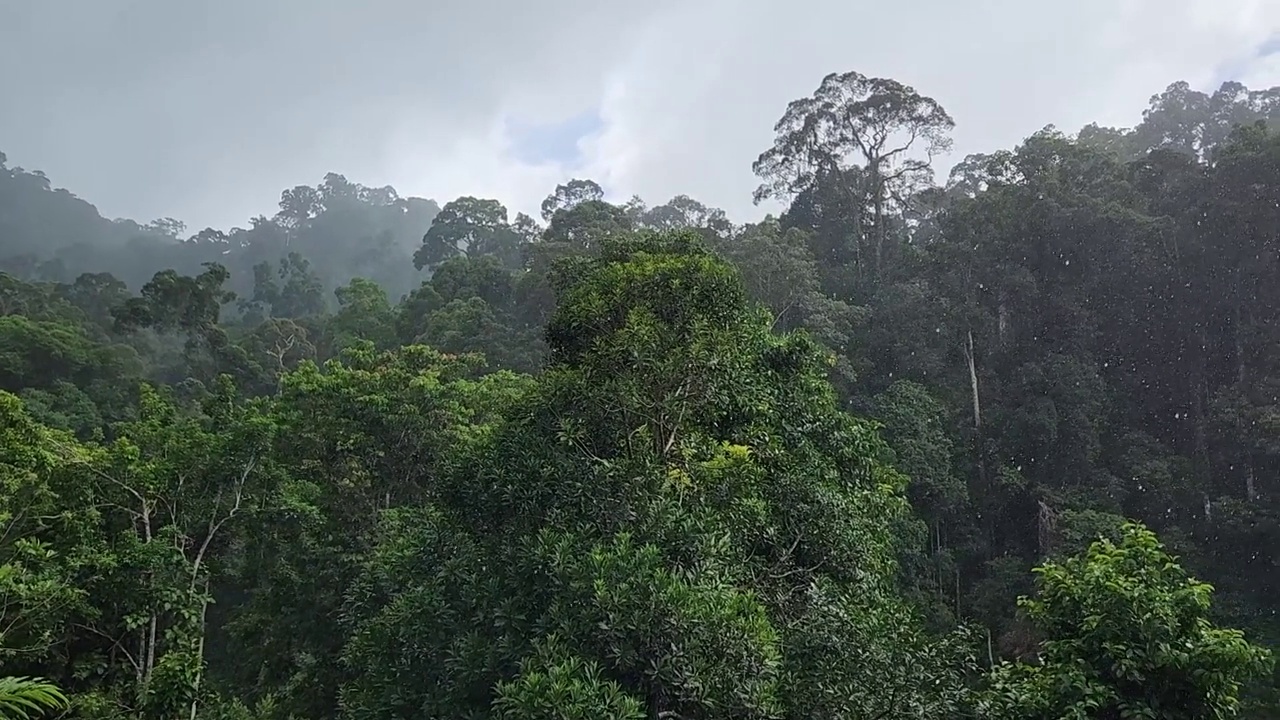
24, 698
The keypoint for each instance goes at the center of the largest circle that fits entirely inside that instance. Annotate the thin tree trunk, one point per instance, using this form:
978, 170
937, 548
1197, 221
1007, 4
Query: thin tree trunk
1241, 374
140, 669
880, 230
1250, 488
973, 381
151, 633
979, 446
1201, 434
195, 690
957, 571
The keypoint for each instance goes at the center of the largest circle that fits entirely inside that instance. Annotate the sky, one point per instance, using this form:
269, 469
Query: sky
205, 111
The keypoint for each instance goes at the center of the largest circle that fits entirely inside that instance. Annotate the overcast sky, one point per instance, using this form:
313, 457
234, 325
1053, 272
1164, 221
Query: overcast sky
205, 110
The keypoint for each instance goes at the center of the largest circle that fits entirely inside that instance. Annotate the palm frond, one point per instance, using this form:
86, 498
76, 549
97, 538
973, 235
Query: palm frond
23, 698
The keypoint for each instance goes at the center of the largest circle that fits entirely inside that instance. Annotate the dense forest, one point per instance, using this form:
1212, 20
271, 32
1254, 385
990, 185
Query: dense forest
1002, 447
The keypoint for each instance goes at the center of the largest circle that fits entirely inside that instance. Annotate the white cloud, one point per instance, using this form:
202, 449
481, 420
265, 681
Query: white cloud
207, 114
1263, 72
1003, 69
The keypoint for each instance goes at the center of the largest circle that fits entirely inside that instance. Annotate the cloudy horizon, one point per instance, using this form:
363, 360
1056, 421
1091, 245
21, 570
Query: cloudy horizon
205, 113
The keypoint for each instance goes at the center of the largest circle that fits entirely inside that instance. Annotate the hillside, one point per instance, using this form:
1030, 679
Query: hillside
642, 461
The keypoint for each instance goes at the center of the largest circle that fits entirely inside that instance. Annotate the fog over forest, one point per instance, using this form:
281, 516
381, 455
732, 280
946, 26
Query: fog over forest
648, 362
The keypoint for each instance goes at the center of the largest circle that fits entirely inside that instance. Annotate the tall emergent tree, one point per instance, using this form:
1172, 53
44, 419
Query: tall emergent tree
863, 143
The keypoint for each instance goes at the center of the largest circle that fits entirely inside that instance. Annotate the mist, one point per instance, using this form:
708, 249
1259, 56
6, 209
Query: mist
661, 361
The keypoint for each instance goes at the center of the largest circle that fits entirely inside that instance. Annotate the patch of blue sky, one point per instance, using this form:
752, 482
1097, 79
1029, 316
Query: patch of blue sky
554, 142
1236, 69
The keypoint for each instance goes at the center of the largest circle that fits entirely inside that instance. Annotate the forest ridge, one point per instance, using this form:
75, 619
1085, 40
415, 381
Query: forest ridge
373, 457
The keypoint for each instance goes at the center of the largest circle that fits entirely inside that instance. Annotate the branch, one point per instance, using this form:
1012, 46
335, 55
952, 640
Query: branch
17, 518
893, 700
681, 392
116, 643
214, 527
790, 304
914, 135
786, 557
71, 458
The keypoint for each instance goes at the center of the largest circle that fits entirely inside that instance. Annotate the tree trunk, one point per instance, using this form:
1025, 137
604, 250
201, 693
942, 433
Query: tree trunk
1250, 488
973, 381
1201, 434
979, 445
147, 659
195, 689
957, 571
1002, 321
1241, 375
879, 219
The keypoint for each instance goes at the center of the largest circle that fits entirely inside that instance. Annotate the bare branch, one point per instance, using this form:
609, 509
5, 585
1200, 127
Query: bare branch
214, 527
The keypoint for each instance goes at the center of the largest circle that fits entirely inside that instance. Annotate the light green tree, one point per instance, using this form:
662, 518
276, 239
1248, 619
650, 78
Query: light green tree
1126, 634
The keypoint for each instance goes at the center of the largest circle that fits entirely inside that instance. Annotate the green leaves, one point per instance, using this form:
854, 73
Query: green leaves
555, 684
1126, 631
673, 519
111, 550
469, 226
23, 698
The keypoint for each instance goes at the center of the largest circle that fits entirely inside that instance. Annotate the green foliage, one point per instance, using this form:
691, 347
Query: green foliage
678, 501
553, 683
1127, 635
672, 515
470, 226
25, 698
914, 424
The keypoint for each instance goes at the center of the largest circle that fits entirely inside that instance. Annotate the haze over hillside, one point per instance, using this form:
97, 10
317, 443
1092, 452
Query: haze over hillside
203, 113
695, 390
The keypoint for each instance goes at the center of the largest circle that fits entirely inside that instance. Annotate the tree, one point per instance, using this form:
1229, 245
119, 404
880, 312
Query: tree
167, 227
682, 212
363, 314
298, 293
780, 272
473, 227
569, 195
1127, 635
96, 294
914, 423
675, 520
1195, 123
279, 345
173, 304
176, 302
471, 305
581, 228
298, 205
358, 439
878, 121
